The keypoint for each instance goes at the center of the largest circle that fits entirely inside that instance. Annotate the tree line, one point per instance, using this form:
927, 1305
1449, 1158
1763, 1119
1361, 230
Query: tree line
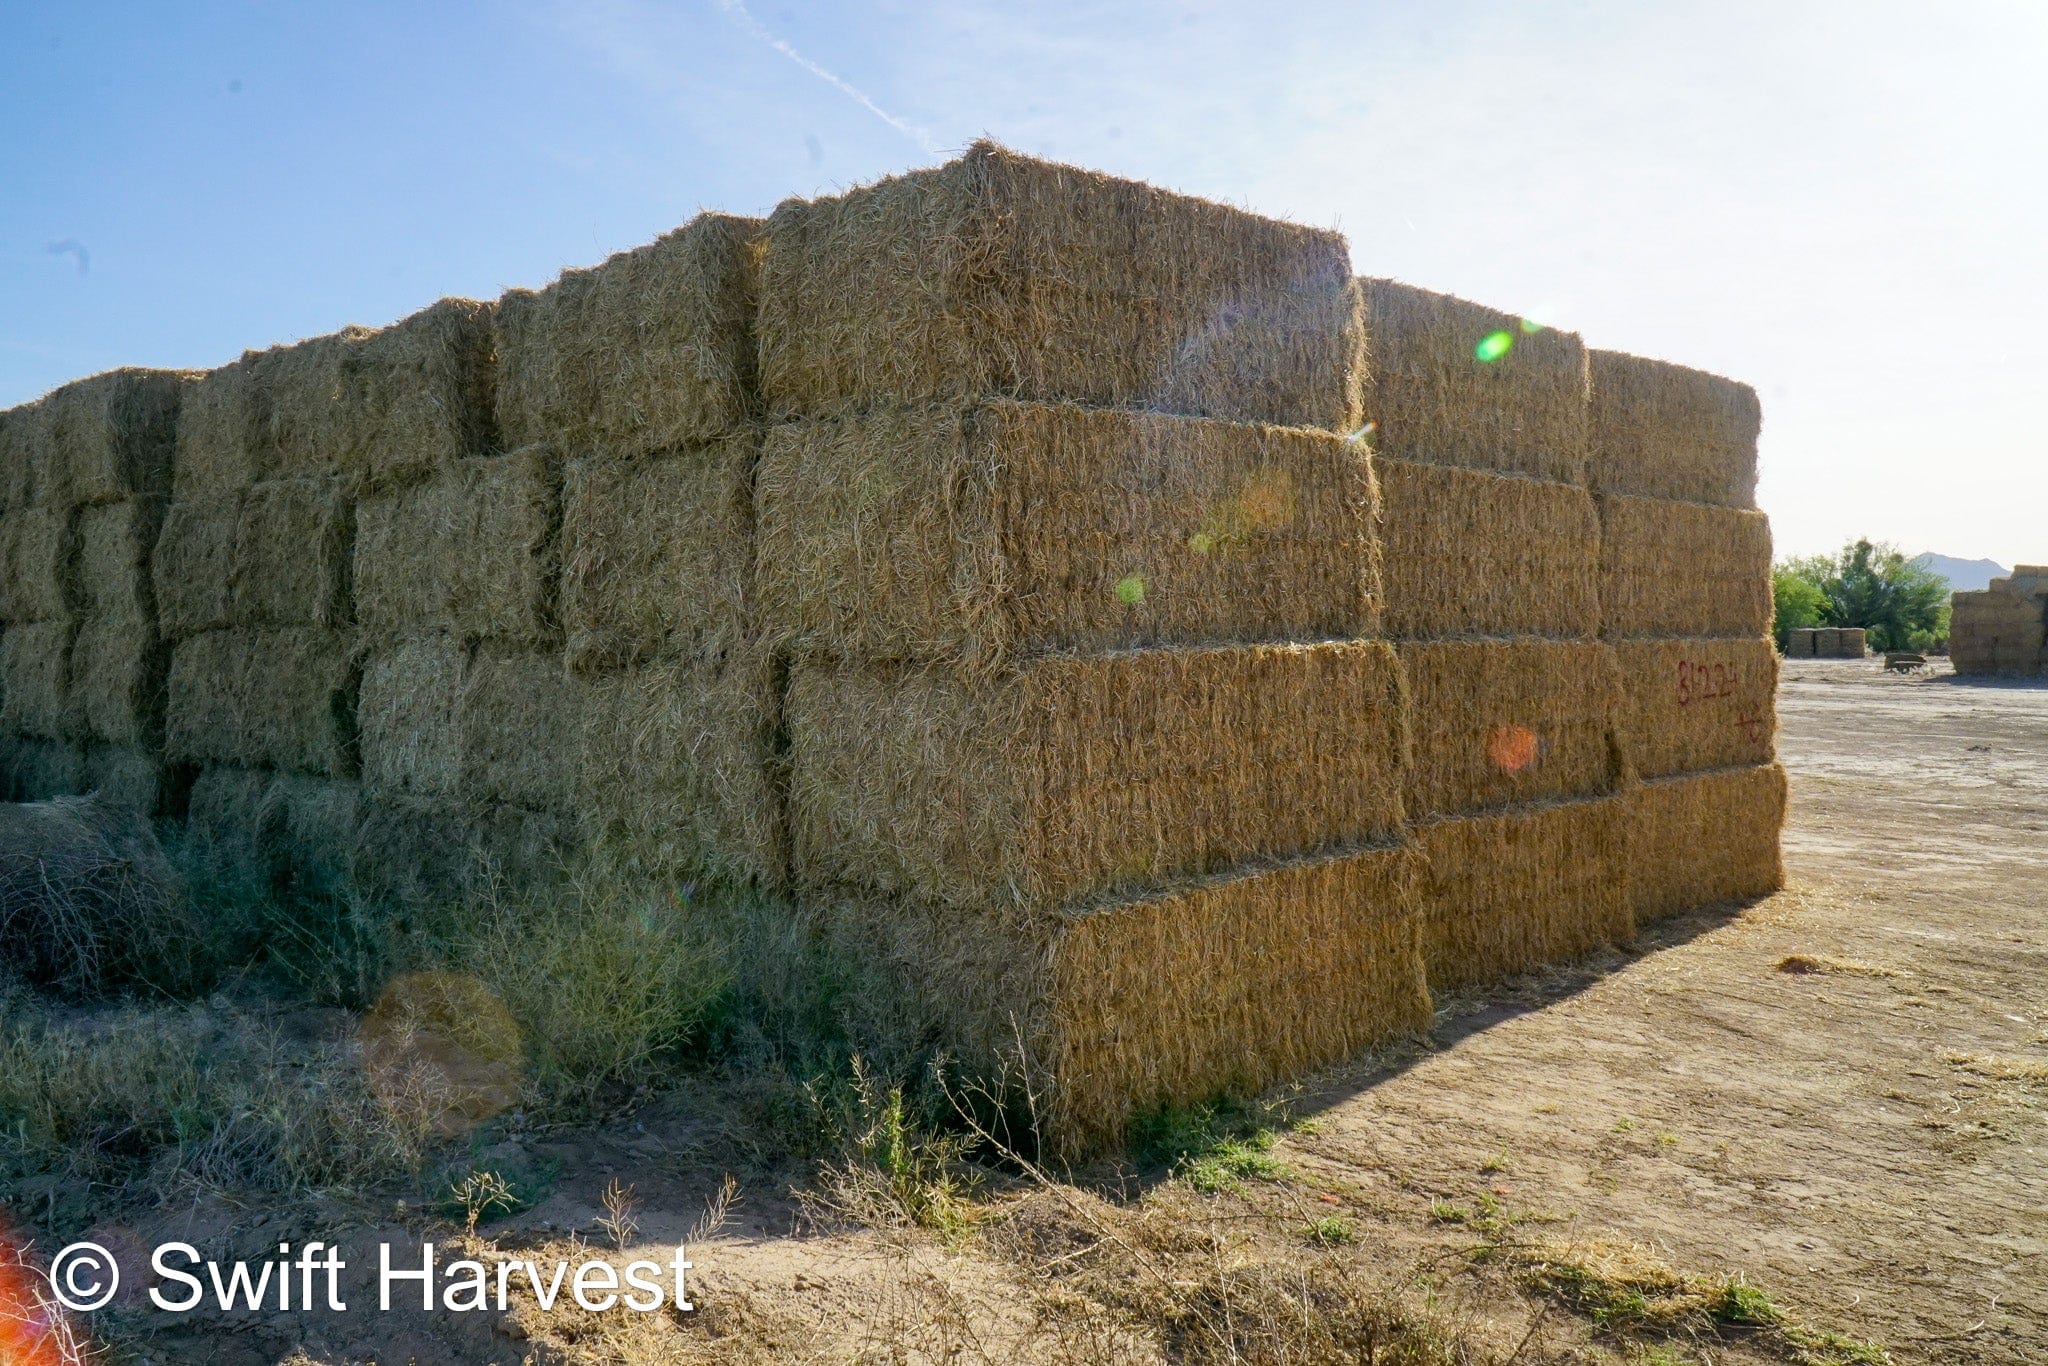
1872, 584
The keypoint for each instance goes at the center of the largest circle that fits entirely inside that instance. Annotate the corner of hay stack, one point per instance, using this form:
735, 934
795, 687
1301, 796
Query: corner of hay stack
1665, 431
1706, 837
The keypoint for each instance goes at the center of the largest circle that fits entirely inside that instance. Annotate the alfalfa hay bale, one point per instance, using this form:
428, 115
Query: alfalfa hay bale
1664, 431
1683, 569
1992, 632
288, 827
1467, 552
115, 541
657, 553
651, 350
997, 274
38, 564
282, 698
1513, 890
1458, 383
32, 769
117, 681
1700, 838
998, 529
1077, 775
675, 768
385, 406
1697, 704
1498, 721
473, 553
1221, 985
35, 680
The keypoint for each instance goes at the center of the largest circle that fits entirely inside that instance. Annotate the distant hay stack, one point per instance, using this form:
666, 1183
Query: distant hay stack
1999, 630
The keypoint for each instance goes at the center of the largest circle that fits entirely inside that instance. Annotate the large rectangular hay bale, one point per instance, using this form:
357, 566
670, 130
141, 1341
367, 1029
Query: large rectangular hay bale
1499, 721
1457, 383
138, 779
38, 564
997, 274
1699, 838
1467, 552
279, 553
992, 530
675, 768
282, 698
376, 407
117, 681
223, 436
407, 715
474, 552
35, 770
1851, 643
95, 440
192, 569
35, 680
1683, 569
1800, 642
1074, 776
1222, 985
1697, 704
518, 729
650, 351
115, 541
657, 553
433, 850
1514, 890
1664, 431
1992, 632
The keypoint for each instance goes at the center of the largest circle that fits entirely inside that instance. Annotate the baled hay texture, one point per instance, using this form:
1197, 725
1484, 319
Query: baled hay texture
1498, 721
1079, 775
128, 777
441, 718
86, 895
32, 770
1697, 704
226, 806
1002, 529
1222, 985
1706, 837
115, 541
1850, 643
436, 849
19, 439
265, 698
95, 440
647, 352
1000, 275
1465, 552
282, 826
674, 769
1827, 641
2027, 580
117, 681
277, 554
35, 680
192, 570
38, 564
1995, 633
474, 552
1800, 643
1434, 398
223, 441
1683, 569
656, 553
384, 406
1663, 431
1512, 891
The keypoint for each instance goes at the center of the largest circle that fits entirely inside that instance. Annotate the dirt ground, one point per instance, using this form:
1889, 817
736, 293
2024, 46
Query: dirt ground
1836, 1096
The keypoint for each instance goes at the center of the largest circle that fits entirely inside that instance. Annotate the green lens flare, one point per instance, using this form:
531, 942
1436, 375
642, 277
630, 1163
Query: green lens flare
1531, 326
1130, 591
1494, 345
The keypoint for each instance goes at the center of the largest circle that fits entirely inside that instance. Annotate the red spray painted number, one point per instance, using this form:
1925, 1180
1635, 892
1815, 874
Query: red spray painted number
1700, 682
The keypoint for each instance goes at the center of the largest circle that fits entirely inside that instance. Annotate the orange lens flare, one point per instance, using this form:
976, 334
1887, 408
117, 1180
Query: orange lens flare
33, 1330
1513, 748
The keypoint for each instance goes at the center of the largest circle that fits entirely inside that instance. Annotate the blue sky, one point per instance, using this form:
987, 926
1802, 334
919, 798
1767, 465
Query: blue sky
1842, 203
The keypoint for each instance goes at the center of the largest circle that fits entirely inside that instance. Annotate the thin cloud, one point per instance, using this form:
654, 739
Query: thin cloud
738, 13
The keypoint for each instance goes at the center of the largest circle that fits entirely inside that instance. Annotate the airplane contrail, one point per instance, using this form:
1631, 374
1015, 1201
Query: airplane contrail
738, 13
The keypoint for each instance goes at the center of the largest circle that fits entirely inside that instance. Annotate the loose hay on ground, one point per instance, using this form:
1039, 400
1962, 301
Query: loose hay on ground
657, 553
647, 352
1706, 837
1683, 569
998, 529
1467, 552
1001, 275
1697, 704
1663, 431
281, 698
1510, 891
1498, 721
1077, 775
87, 899
1434, 397
474, 552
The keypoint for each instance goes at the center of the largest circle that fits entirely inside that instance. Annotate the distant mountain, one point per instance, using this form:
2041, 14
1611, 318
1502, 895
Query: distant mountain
1964, 576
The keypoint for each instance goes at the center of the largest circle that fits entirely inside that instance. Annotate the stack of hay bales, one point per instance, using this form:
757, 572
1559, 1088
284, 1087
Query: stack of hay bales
1802, 642
2002, 629
1076, 584
283, 458
86, 469
1492, 554
635, 382
1685, 586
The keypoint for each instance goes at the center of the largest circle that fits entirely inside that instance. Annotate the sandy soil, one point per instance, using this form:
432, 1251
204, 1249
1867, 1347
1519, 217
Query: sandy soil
1862, 1139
